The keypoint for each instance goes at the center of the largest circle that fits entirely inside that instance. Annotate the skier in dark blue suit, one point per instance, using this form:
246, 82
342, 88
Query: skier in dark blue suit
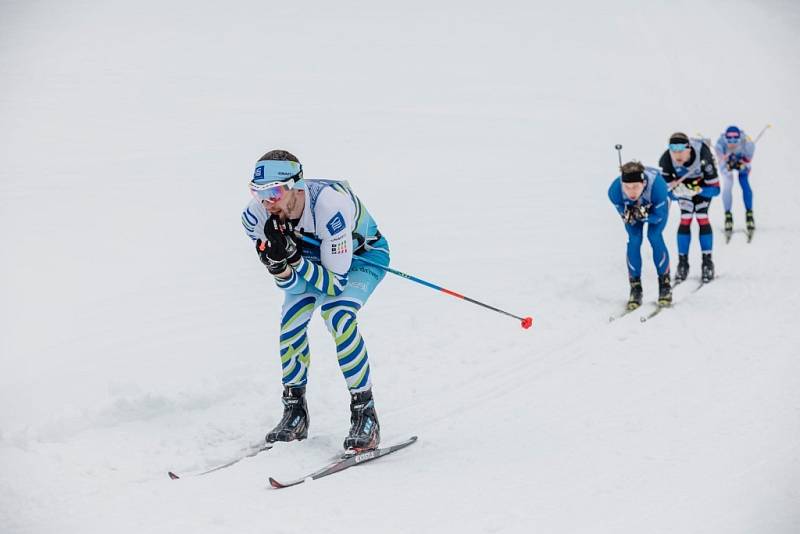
640, 196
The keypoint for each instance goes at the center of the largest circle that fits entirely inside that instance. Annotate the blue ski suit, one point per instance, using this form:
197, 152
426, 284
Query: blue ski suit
656, 201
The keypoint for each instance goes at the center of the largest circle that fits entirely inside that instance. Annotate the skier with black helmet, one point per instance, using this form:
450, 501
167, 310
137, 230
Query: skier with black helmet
691, 175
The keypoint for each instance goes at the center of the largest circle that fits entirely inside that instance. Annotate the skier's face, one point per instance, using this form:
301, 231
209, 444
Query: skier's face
633, 190
681, 156
289, 206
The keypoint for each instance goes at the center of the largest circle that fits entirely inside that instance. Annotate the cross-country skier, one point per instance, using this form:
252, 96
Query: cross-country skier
691, 175
735, 153
326, 277
640, 196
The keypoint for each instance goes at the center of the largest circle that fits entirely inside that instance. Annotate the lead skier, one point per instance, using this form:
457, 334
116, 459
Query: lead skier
688, 168
310, 278
640, 196
735, 152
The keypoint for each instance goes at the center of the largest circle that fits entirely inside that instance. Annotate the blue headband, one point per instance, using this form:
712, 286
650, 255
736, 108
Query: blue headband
678, 147
276, 171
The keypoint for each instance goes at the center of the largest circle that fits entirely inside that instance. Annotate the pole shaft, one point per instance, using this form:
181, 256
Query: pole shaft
763, 130
417, 280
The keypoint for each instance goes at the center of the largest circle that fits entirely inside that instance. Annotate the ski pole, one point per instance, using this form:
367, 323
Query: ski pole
763, 130
619, 154
526, 322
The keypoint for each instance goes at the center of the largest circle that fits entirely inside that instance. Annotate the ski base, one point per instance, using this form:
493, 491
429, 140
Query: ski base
246, 453
344, 462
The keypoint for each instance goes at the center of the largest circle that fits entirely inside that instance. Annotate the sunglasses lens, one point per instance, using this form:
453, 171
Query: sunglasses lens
271, 194
678, 147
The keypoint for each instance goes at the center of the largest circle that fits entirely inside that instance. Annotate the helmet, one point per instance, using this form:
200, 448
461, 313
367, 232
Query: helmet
733, 135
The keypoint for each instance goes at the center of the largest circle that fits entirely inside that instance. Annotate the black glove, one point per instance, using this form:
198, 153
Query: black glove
734, 163
272, 252
634, 214
293, 247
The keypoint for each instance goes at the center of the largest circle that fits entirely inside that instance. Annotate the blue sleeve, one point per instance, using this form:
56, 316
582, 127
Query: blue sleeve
615, 196
660, 202
671, 195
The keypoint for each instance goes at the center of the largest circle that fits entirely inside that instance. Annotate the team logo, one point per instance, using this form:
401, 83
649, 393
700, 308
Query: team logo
259, 172
336, 224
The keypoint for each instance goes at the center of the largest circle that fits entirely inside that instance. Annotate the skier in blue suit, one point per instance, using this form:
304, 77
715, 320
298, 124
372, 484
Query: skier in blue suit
735, 152
640, 196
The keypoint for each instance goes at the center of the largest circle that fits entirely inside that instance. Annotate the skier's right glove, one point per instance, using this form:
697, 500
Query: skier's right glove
272, 252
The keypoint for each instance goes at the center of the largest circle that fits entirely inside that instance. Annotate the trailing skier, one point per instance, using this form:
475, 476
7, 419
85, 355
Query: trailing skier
691, 175
640, 196
735, 152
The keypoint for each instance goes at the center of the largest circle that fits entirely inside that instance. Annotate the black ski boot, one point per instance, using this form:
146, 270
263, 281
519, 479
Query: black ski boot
294, 423
708, 268
728, 226
683, 268
751, 224
664, 291
635, 299
365, 432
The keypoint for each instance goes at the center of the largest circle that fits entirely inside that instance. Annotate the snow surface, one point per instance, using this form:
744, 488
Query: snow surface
139, 331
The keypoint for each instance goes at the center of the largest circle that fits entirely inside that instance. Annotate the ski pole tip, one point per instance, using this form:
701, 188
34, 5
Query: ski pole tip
527, 322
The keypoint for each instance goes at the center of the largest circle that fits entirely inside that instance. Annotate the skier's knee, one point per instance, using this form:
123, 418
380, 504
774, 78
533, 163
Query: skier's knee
634, 240
340, 318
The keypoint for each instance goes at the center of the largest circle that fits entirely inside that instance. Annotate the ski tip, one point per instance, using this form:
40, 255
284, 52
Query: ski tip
527, 322
172, 475
275, 484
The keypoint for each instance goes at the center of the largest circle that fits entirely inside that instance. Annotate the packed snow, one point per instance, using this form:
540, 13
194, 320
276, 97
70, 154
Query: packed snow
139, 330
